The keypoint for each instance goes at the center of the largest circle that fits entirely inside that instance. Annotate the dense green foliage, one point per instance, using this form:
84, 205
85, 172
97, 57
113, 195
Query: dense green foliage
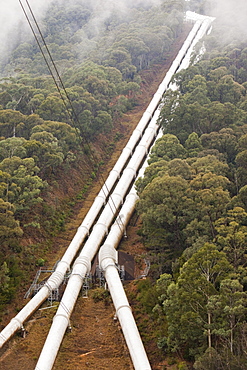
193, 197
194, 211
98, 54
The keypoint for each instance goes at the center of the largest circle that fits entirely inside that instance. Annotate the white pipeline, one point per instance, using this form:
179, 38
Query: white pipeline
107, 261
83, 231
82, 264
61, 319
131, 334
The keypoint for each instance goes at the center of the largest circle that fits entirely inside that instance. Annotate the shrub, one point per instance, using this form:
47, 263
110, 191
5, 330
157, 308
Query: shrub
101, 294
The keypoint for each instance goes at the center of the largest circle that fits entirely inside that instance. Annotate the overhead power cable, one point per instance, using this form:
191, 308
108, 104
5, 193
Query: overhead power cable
73, 117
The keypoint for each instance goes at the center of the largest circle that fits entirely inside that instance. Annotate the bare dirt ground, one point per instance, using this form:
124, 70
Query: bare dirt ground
95, 341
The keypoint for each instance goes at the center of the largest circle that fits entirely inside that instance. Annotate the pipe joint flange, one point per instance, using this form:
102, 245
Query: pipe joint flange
130, 150
61, 315
83, 227
133, 194
123, 306
2, 338
152, 129
83, 260
54, 280
131, 169
101, 224
103, 197
48, 286
120, 197
144, 147
64, 263
104, 268
138, 130
20, 323
107, 251
81, 275
117, 172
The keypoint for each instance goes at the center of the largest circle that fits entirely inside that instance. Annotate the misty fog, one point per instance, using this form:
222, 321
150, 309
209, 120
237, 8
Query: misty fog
230, 14
15, 29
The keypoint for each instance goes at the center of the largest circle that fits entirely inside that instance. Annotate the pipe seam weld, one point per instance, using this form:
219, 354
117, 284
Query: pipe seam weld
47, 285
130, 150
131, 169
102, 196
83, 227
120, 196
19, 321
118, 172
3, 337
83, 260
65, 262
62, 315
101, 224
109, 264
81, 276
56, 275
123, 306
107, 251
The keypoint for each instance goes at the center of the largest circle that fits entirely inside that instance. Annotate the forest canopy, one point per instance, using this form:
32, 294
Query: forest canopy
193, 197
46, 131
194, 210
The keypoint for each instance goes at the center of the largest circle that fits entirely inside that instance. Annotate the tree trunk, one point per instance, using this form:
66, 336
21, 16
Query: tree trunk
231, 334
209, 331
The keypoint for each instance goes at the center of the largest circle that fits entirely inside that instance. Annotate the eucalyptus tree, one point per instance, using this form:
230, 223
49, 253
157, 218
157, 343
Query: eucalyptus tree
232, 236
10, 229
20, 184
166, 148
187, 307
12, 146
165, 208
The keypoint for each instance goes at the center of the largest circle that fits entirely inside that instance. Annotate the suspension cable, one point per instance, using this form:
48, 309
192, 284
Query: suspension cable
74, 119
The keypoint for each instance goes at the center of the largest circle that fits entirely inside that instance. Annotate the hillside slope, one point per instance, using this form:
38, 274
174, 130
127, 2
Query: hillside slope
96, 341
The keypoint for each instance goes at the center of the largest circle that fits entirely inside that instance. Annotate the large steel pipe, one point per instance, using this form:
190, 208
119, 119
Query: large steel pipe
123, 310
205, 24
83, 231
61, 319
107, 260
62, 267
114, 237
56, 278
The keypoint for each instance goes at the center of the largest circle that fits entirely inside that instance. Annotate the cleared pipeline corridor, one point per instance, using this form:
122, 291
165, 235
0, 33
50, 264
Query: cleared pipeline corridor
98, 223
